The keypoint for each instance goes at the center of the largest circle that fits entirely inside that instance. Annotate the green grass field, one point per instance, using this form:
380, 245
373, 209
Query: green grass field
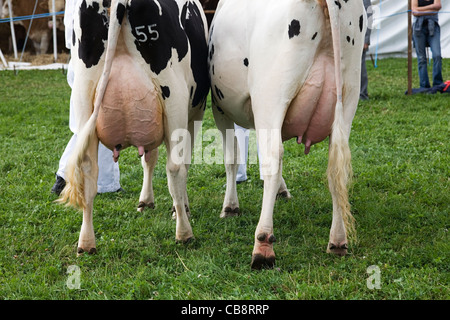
400, 199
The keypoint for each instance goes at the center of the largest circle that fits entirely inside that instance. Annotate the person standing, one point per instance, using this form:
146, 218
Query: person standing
427, 32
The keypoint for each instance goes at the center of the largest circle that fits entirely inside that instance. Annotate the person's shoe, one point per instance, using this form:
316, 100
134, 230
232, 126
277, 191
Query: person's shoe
116, 191
363, 97
59, 185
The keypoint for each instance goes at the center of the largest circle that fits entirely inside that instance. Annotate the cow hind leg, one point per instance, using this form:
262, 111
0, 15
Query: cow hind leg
339, 173
339, 170
192, 133
86, 241
231, 154
177, 175
263, 255
272, 153
146, 199
176, 169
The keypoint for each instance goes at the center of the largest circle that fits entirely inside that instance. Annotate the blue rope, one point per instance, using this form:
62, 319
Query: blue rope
389, 16
403, 12
43, 15
30, 17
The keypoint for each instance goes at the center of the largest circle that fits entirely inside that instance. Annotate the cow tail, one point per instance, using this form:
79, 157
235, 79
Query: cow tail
73, 193
339, 170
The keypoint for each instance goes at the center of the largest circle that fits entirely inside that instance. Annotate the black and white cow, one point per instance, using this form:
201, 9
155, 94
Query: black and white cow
140, 74
289, 69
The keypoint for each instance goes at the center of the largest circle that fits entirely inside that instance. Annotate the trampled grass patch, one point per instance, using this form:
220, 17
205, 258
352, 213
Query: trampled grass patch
399, 197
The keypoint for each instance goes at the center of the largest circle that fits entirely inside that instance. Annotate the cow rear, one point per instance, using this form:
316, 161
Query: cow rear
140, 74
289, 69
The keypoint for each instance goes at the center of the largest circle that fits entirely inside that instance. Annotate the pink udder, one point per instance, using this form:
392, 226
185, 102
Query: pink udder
311, 113
131, 113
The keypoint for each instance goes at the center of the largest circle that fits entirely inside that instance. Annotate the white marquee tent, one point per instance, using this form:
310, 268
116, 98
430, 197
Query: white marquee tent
389, 36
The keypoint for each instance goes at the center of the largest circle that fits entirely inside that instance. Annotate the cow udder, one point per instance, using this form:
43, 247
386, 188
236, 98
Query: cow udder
311, 113
131, 113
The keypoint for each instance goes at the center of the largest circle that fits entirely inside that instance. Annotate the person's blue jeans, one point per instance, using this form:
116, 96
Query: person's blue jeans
421, 39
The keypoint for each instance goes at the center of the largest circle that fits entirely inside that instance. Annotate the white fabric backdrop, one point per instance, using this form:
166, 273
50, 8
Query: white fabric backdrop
392, 35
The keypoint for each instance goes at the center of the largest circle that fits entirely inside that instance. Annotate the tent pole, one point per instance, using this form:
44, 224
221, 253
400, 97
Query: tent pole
13, 33
55, 45
409, 49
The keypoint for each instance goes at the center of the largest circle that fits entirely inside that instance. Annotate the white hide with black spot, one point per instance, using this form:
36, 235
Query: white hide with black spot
289, 69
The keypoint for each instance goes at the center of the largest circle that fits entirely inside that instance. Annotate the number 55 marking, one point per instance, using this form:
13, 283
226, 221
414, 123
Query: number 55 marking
142, 35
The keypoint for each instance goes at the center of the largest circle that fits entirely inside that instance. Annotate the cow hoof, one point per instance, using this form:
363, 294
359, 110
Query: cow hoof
284, 195
142, 205
259, 262
339, 250
230, 212
80, 251
185, 241
263, 254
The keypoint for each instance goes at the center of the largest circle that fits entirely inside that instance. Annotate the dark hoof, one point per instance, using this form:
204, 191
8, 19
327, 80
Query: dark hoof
262, 237
80, 251
259, 262
283, 195
263, 254
229, 212
187, 241
339, 250
142, 205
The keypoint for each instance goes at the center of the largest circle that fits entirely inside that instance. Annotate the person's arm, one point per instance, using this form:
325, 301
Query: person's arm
426, 10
